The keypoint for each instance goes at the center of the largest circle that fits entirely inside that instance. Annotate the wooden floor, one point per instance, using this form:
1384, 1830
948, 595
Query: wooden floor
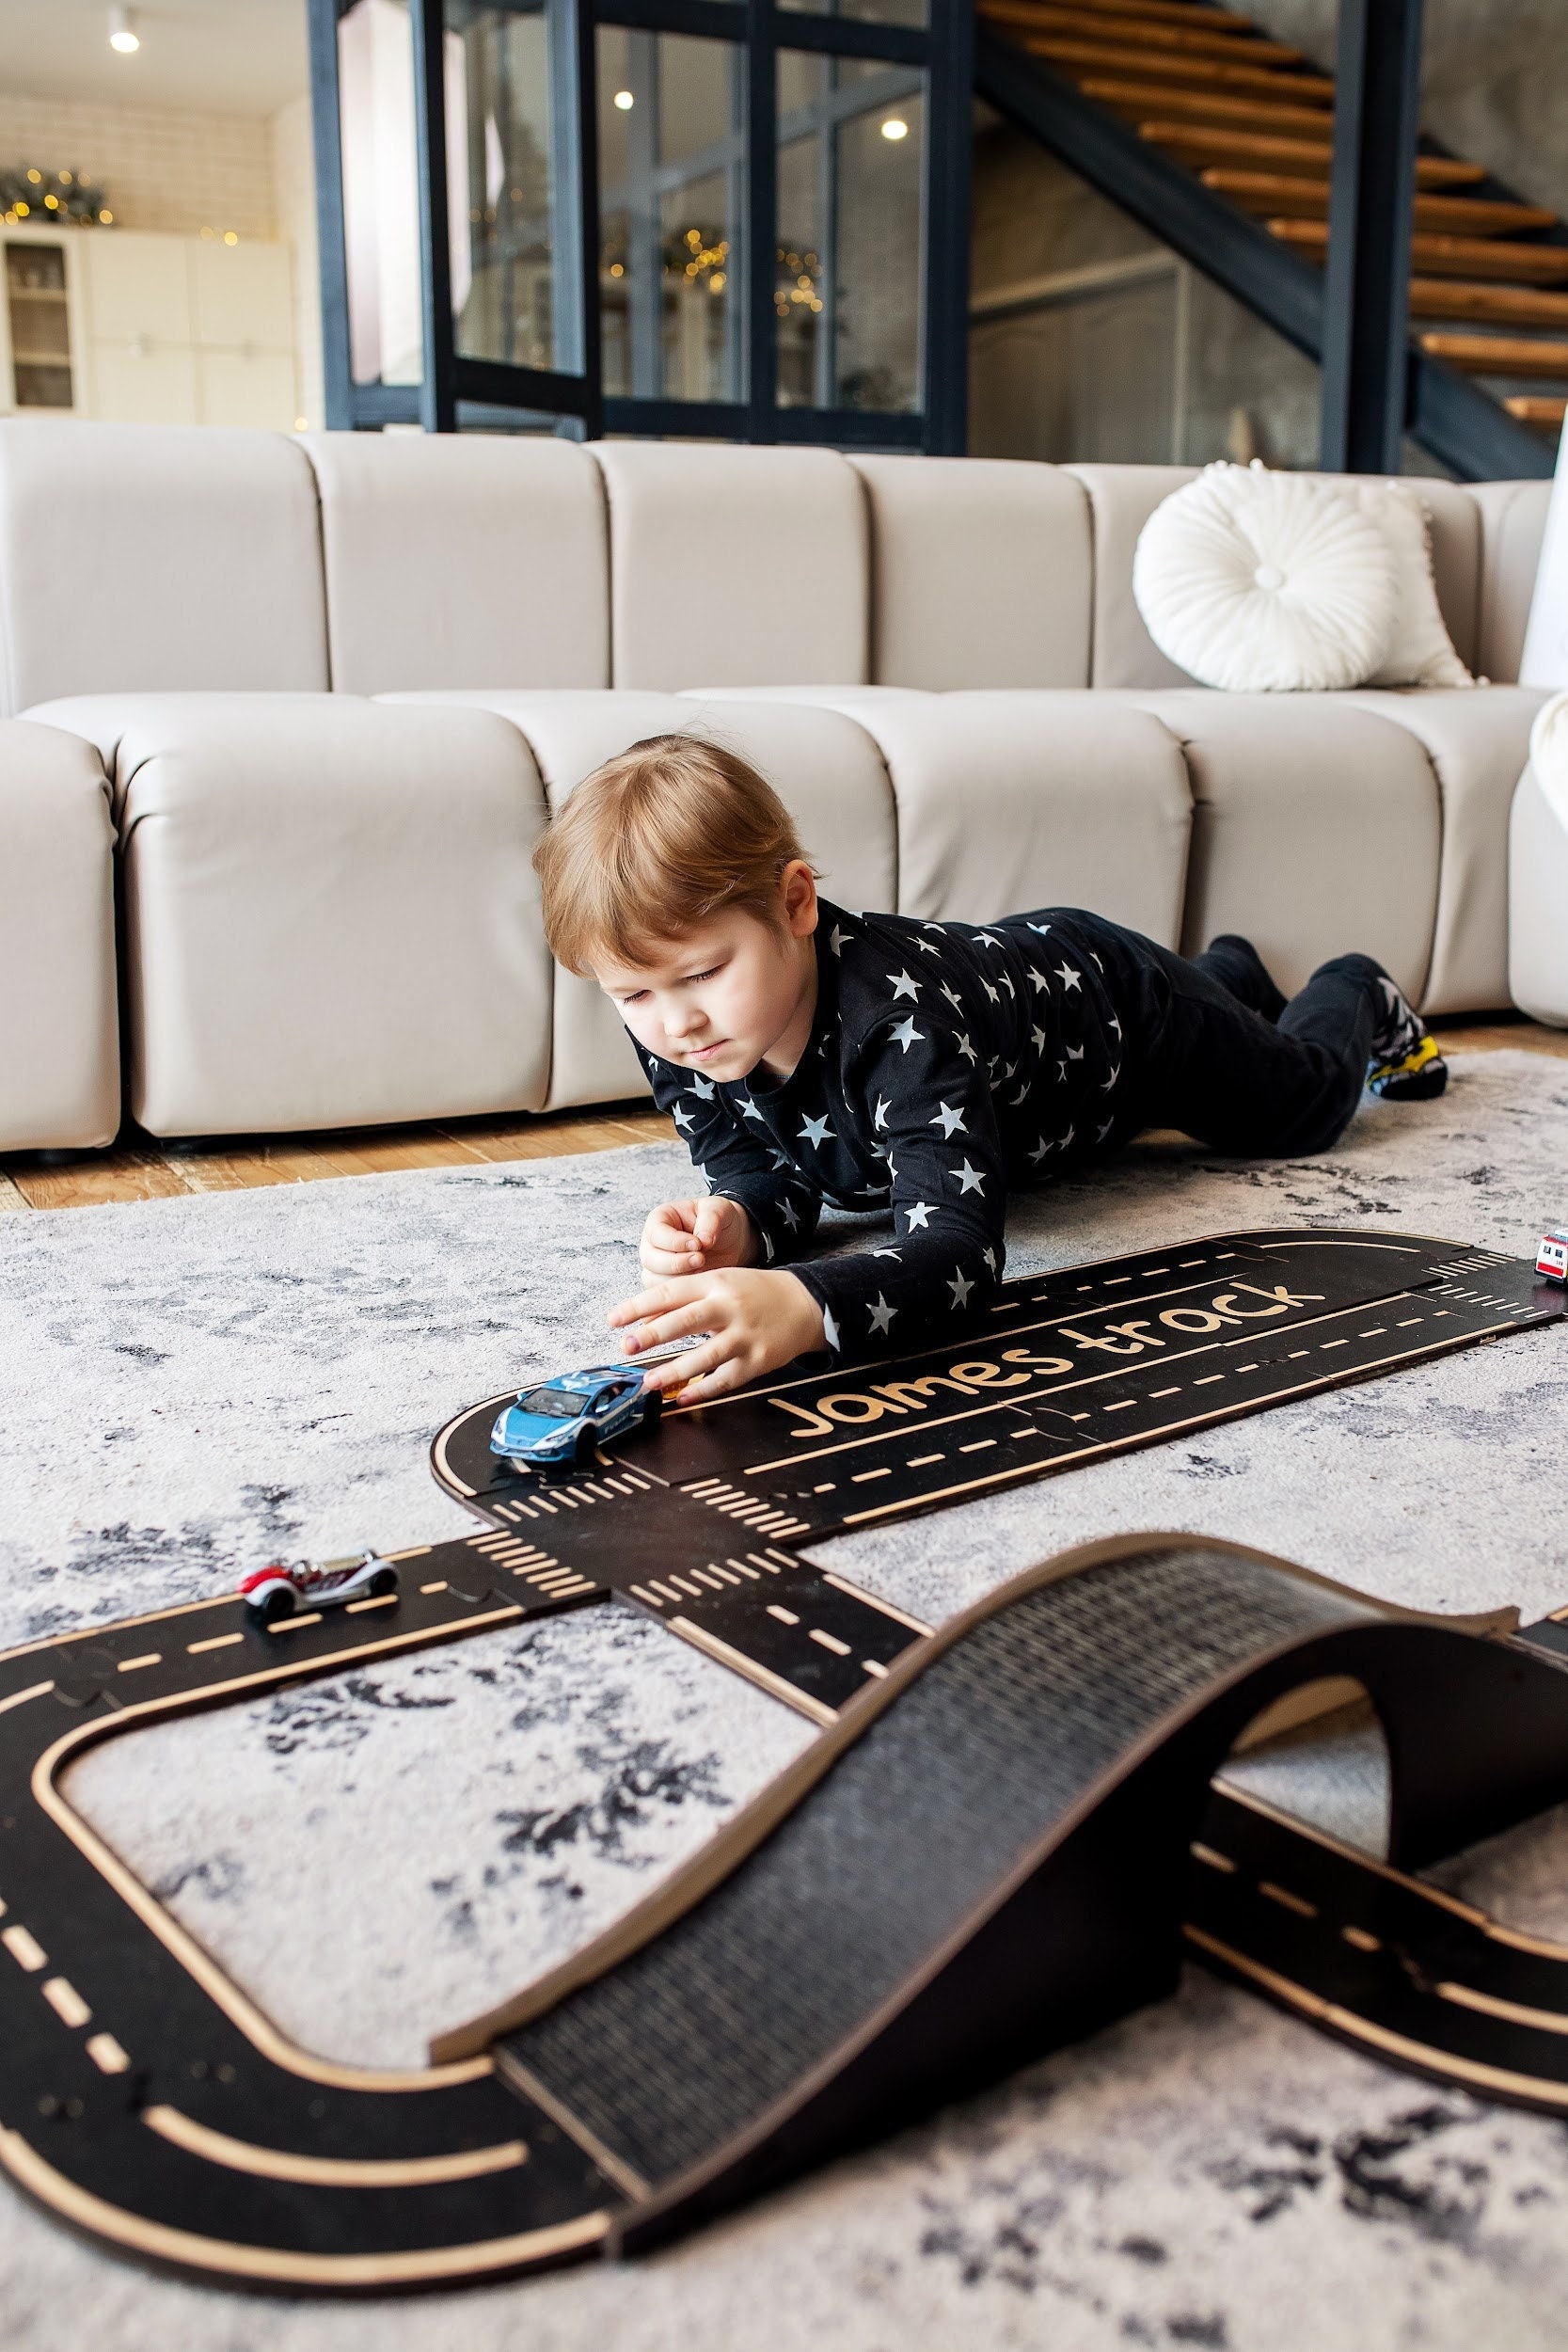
148, 1171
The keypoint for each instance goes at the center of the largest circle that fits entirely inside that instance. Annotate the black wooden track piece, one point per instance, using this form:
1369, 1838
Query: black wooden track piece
996, 1842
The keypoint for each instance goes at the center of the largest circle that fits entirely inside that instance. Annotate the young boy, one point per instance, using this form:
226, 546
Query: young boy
881, 1062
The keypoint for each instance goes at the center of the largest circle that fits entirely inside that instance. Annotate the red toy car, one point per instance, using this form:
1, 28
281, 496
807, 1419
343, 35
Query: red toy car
1551, 1259
278, 1591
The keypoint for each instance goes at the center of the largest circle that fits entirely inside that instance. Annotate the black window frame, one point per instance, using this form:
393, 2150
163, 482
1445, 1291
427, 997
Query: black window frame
458, 391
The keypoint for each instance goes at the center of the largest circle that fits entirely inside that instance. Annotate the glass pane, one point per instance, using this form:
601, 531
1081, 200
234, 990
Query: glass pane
509, 301
912, 12
847, 287
1089, 339
671, 154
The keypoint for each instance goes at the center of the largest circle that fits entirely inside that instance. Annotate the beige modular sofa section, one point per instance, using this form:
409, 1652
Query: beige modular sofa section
335, 684
59, 1044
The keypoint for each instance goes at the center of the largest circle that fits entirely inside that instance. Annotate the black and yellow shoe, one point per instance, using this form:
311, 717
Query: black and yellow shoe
1406, 1065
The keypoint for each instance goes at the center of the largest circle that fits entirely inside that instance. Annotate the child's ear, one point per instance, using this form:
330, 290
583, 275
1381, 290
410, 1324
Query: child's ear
797, 887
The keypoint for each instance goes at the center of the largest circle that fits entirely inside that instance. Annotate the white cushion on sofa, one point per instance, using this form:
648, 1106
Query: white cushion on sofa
1266, 582
1420, 652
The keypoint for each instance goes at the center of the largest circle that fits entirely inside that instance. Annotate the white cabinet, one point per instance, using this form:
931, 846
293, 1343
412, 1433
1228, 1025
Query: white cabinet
138, 286
252, 387
240, 294
43, 324
144, 382
142, 329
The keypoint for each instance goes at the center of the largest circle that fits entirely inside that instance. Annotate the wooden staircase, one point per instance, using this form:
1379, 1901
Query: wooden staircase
1253, 121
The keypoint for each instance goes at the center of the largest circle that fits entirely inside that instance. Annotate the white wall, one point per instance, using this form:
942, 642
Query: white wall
162, 169
293, 172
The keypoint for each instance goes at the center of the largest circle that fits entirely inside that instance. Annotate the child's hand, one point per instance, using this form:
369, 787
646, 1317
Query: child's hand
696, 1237
755, 1320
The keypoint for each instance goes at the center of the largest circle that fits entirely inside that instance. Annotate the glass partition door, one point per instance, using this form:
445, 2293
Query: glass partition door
736, 218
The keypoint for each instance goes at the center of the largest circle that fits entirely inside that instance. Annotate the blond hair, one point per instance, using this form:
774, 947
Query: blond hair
657, 841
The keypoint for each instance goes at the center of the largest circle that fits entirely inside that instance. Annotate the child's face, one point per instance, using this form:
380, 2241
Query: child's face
729, 995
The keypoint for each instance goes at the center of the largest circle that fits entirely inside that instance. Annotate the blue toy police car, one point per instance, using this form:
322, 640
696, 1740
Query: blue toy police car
571, 1416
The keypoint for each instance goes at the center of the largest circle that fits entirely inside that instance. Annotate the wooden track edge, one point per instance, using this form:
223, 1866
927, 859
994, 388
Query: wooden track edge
756, 1821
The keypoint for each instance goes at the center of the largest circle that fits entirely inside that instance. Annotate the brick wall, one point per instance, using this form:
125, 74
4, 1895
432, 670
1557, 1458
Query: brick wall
162, 168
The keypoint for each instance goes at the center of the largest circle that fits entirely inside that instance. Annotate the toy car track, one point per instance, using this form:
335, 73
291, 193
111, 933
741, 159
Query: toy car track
1074, 1719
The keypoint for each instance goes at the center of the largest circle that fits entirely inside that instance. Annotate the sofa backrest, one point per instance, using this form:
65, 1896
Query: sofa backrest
472, 560
982, 572
734, 566
1488, 531
137, 557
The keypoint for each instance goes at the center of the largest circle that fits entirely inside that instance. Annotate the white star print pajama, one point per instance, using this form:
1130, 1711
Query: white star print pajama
945, 1063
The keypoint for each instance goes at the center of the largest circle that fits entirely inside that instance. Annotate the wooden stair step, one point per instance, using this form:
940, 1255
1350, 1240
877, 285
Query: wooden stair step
1275, 192
1538, 408
1211, 73
1260, 112
1500, 355
1511, 306
1133, 12
1218, 146
1151, 38
1448, 257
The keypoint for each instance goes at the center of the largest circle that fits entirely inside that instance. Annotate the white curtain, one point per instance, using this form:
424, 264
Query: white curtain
381, 196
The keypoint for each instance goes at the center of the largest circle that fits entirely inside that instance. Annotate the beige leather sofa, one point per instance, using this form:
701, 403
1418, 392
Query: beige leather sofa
322, 693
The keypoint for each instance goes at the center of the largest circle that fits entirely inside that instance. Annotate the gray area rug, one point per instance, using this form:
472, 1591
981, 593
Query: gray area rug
189, 1387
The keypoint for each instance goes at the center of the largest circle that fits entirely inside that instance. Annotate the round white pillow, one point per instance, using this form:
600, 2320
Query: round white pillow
1268, 582
1549, 754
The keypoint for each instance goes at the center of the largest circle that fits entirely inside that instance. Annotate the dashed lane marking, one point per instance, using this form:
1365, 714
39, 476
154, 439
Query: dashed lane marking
1282, 1895
24, 1949
107, 2056
828, 1640
786, 1616
133, 1665
227, 1640
65, 2002
1210, 1858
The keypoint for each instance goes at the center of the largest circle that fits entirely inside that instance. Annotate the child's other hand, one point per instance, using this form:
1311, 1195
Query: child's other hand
696, 1237
755, 1322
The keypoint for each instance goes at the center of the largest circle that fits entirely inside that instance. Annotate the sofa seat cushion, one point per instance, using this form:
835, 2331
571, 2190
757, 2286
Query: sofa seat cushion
1476, 744
825, 768
1317, 827
330, 909
59, 1042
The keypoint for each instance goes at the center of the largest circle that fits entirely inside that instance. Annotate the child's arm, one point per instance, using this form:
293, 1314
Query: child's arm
932, 1108
779, 1209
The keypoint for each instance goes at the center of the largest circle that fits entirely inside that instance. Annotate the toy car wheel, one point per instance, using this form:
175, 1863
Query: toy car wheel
385, 1580
653, 1409
273, 1605
585, 1448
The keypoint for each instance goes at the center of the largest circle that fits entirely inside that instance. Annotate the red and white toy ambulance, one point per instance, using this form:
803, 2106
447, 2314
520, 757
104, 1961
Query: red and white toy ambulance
278, 1591
1551, 1259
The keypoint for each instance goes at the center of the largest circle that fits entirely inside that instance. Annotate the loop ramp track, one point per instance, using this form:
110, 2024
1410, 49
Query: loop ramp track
1005, 1834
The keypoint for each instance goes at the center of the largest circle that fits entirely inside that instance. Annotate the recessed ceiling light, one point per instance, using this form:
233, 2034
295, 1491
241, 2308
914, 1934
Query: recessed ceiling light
625, 100
122, 33
895, 128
